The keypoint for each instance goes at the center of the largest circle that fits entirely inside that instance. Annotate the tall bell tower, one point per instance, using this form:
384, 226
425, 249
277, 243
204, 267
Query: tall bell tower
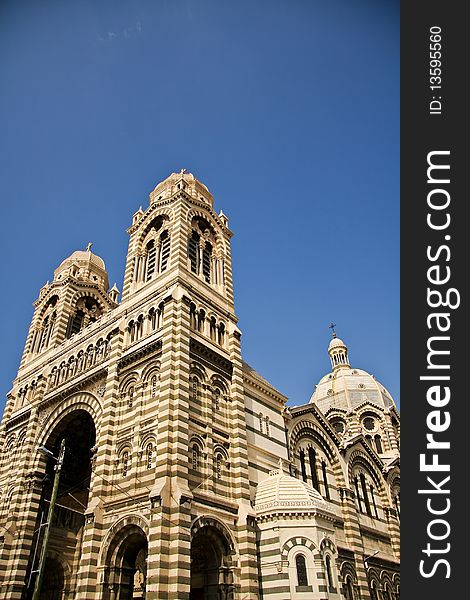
148, 394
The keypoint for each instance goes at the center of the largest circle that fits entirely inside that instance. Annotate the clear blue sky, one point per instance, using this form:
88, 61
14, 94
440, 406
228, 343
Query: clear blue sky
287, 110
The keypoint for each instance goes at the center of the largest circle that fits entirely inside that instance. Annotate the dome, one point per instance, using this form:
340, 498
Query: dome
282, 492
86, 256
185, 182
336, 343
83, 265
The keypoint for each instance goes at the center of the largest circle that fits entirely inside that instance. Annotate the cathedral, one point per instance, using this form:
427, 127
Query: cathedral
182, 473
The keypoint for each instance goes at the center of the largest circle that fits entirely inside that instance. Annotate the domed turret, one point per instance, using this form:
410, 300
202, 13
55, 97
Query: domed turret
84, 266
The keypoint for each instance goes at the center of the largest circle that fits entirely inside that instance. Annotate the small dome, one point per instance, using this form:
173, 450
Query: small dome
86, 256
86, 266
182, 181
336, 343
282, 492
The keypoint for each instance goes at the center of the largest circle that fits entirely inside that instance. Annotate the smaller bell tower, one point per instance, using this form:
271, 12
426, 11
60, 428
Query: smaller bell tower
77, 297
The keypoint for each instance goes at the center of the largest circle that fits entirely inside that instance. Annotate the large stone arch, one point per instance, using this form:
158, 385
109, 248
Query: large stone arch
81, 401
123, 559
213, 563
360, 458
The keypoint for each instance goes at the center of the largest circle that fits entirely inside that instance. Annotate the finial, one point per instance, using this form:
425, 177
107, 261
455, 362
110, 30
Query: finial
183, 171
332, 327
88, 247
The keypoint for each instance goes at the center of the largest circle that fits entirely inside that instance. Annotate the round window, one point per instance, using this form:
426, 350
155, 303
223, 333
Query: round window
369, 423
338, 426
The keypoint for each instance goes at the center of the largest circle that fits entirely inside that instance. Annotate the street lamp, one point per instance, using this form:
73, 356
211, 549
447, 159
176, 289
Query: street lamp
50, 514
370, 556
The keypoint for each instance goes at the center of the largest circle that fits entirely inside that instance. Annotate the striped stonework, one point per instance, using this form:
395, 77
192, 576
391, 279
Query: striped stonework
186, 475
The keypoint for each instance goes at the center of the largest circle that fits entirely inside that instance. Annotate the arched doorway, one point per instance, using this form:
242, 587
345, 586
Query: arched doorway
211, 564
78, 430
126, 565
53, 583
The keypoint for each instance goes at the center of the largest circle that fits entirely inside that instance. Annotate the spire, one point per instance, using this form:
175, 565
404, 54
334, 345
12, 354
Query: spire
338, 351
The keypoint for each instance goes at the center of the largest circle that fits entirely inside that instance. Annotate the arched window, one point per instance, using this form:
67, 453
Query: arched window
125, 463
193, 252
200, 321
160, 312
329, 574
212, 329
349, 588
301, 568
149, 456
195, 457
325, 479
164, 251
76, 323
261, 422
151, 260
192, 316
218, 465
216, 398
221, 334
302, 465
378, 443
206, 261
373, 591
312, 459
130, 397
153, 384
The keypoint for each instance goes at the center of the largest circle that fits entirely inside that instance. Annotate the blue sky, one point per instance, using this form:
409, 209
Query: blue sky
287, 110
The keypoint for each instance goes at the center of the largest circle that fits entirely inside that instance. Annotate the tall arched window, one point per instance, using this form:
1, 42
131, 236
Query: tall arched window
301, 568
193, 252
218, 465
212, 329
206, 261
312, 459
221, 336
76, 323
151, 260
349, 588
125, 463
192, 316
195, 457
164, 251
200, 321
153, 384
149, 454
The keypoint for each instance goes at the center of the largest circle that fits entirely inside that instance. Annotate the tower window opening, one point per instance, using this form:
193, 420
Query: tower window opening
261, 422
76, 322
200, 321
206, 261
267, 426
301, 568
192, 316
218, 465
165, 251
193, 251
151, 260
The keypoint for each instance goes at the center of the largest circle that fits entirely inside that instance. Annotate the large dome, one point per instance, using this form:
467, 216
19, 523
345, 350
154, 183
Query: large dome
346, 387
85, 256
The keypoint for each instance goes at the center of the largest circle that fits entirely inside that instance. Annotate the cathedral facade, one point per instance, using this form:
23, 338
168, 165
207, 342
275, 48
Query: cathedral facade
185, 474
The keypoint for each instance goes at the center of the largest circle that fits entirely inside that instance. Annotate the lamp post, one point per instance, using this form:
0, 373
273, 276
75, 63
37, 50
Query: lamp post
50, 515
